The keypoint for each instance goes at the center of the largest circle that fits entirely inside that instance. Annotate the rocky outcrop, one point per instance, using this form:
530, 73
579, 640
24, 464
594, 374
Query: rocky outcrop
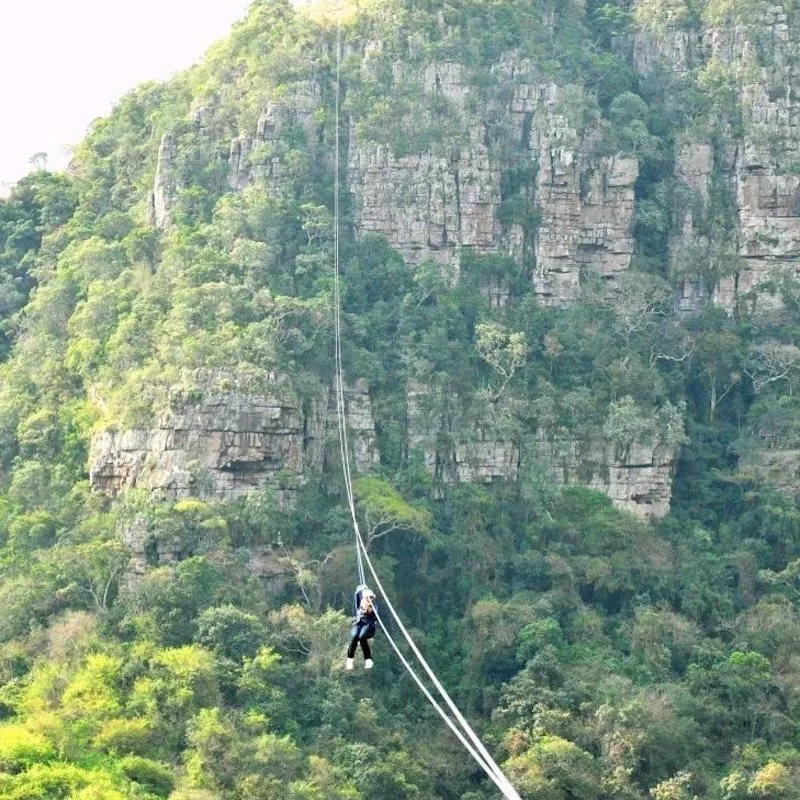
165, 185
150, 547
587, 215
778, 467
435, 202
670, 42
585, 204
767, 179
689, 245
760, 164
258, 154
218, 442
428, 206
212, 442
432, 207
767, 195
473, 455
240, 172
485, 459
638, 480
360, 424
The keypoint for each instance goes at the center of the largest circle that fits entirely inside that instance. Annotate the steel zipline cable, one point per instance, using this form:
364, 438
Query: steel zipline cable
457, 723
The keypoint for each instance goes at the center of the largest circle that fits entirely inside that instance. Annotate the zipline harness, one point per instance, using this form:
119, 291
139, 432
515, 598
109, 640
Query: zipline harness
457, 723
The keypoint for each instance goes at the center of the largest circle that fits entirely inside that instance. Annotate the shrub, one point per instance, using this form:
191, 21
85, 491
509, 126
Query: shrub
150, 774
19, 748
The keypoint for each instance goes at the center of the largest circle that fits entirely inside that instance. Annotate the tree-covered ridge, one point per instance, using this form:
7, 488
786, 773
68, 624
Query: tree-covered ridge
602, 656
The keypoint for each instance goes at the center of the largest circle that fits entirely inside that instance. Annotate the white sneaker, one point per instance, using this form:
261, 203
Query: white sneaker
348, 664
368, 663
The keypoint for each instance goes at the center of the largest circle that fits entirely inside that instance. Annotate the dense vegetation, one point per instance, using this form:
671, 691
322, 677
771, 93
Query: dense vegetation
603, 657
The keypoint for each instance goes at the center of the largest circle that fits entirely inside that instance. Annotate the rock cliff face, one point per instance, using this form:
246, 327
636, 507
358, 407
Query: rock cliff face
481, 457
585, 203
258, 154
767, 185
433, 207
165, 186
639, 480
428, 207
149, 546
582, 229
360, 425
570, 216
433, 204
211, 443
778, 467
694, 162
757, 165
220, 443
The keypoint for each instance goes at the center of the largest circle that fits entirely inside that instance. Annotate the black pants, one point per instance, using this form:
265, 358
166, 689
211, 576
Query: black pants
360, 634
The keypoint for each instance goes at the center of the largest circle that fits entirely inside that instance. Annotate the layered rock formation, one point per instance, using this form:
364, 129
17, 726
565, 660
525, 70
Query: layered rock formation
220, 443
212, 443
759, 164
258, 154
360, 424
582, 230
428, 207
638, 480
150, 547
481, 457
436, 202
431, 207
585, 203
778, 467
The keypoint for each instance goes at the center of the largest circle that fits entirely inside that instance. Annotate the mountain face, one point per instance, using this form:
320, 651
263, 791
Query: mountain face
570, 238
482, 156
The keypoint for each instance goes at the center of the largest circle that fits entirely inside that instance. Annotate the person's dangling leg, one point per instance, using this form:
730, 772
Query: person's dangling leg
365, 634
351, 649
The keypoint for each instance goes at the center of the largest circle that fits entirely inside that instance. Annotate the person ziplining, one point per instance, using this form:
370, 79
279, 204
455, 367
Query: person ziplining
364, 624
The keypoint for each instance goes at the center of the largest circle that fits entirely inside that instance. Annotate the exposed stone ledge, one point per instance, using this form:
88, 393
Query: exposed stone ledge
221, 443
427, 206
639, 481
584, 227
778, 467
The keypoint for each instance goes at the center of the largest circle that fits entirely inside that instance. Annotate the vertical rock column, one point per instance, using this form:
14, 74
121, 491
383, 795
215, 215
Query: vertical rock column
165, 186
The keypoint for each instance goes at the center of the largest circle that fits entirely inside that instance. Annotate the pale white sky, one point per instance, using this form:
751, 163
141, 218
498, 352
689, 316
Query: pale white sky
65, 62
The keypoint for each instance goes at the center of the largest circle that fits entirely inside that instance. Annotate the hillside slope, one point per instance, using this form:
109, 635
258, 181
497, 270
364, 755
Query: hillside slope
570, 246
